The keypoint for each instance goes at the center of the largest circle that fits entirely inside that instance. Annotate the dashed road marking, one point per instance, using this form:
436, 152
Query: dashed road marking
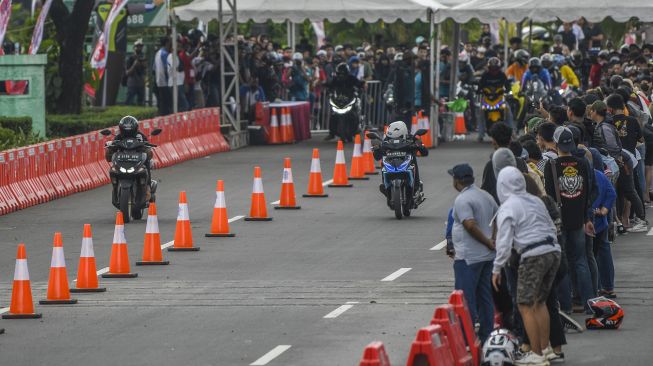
103, 271
327, 182
336, 313
650, 232
440, 245
168, 244
396, 274
4, 310
275, 202
235, 218
274, 353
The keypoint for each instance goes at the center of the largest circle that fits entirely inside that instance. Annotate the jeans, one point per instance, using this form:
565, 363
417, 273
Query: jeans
476, 282
591, 262
580, 275
182, 103
137, 92
164, 100
603, 254
626, 189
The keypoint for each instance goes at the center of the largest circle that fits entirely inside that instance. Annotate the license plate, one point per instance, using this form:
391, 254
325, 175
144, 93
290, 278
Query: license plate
394, 154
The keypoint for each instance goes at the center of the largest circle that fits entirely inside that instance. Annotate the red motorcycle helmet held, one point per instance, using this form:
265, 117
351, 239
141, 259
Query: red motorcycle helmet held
607, 314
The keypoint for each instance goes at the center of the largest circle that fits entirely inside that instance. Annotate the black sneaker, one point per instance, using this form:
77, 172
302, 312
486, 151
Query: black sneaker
568, 323
559, 358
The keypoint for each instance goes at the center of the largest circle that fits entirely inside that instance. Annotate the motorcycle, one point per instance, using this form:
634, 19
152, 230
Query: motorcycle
493, 105
517, 103
535, 94
398, 174
130, 175
467, 91
567, 92
345, 113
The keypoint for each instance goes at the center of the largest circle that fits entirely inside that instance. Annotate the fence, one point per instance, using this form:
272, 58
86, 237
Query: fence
39, 173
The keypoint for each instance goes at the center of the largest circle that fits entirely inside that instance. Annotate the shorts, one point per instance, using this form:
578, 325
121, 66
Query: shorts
535, 278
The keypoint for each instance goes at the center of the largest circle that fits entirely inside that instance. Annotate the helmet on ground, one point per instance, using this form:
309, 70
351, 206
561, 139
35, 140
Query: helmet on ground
342, 69
522, 56
607, 314
128, 126
397, 130
499, 349
546, 60
494, 63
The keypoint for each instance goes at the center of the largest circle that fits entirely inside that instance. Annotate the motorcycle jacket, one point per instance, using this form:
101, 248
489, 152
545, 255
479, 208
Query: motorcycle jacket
494, 80
139, 136
417, 146
345, 85
544, 76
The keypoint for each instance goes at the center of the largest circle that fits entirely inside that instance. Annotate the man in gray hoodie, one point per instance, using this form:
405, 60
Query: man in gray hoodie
523, 223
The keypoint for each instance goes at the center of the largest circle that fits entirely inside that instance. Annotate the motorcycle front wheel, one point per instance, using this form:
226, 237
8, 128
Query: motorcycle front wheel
396, 199
125, 202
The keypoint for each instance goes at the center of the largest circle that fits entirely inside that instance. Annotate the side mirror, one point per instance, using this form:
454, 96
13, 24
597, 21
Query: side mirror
155, 132
421, 132
106, 132
373, 135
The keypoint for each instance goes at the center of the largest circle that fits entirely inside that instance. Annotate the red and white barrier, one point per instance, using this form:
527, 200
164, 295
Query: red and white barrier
39, 173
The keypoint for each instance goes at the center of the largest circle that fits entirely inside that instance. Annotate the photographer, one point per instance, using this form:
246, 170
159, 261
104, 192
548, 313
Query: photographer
135, 69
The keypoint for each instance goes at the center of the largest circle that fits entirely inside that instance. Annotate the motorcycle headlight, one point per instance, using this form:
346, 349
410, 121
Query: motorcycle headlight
342, 110
123, 170
130, 170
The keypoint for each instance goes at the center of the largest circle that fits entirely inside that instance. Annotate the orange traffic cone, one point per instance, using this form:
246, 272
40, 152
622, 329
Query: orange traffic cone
459, 124
357, 171
119, 263
368, 157
424, 124
58, 291
275, 134
287, 201
258, 210
414, 126
287, 132
315, 187
86, 271
340, 170
21, 295
152, 245
220, 220
183, 233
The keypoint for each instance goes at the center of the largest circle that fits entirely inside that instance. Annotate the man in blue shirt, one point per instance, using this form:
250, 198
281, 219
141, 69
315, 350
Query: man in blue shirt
535, 68
473, 211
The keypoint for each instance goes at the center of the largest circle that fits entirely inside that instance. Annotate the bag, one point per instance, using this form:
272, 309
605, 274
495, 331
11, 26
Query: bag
556, 184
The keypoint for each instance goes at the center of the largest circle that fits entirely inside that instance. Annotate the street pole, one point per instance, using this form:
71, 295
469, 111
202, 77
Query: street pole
433, 112
105, 77
175, 92
506, 25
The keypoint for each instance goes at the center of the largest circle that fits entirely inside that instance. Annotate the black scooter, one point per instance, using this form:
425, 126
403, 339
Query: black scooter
130, 174
345, 113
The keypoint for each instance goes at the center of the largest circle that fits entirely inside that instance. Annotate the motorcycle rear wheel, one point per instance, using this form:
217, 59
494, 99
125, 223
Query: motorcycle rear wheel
125, 202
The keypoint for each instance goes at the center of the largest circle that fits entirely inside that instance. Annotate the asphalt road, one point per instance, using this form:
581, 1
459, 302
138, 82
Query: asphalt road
275, 293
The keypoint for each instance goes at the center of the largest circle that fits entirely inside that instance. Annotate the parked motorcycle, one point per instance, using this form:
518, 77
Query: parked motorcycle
345, 113
130, 175
398, 174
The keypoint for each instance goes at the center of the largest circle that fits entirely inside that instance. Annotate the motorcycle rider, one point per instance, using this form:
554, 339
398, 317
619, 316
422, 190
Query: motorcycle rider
344, 83
466, 77
535, 69
128, 128
554, 73
494, 78
398, 131
517, 69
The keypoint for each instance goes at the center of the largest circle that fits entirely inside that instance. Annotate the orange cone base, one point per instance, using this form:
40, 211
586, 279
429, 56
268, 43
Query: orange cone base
371, 173
153, 263
340, 185
287, 207
315, 195
258, 219
191, 249
119, 275
227, 235
58, 302
361, 178
83, 290
22, 316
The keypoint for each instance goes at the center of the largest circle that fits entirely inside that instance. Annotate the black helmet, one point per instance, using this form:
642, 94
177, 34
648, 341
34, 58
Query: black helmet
546, 60
128, 126
342, 69
494, 63
534, 64
522, 56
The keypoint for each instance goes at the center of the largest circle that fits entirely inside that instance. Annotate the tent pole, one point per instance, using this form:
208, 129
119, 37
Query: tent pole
530, 36
288, 33
175, 91
433, 113
454, 63
505, 42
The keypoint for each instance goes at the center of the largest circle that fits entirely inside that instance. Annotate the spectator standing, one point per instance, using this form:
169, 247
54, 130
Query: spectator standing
186, 56
473, 211
164, 89
299, 81
135, 69
568, 37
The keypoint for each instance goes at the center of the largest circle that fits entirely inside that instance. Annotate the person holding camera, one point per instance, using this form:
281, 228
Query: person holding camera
135, 69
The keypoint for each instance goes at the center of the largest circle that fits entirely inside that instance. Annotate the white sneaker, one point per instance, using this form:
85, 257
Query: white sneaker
533, 359
638, 228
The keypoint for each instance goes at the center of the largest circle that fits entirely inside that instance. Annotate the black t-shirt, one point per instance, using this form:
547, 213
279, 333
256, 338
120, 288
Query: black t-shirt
573, 180
629, 131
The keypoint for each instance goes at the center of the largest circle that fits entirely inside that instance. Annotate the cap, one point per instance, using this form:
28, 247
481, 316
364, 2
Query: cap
321, 53
419, 39
564, 139
139, 42
461, 171
599, 106
481, 49
338, 48
297, 56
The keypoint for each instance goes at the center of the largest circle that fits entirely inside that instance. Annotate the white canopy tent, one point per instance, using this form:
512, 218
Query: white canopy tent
546, 10
297, 11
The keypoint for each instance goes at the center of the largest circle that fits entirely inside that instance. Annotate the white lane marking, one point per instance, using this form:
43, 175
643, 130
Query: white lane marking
235, 218
336, 313
440, 245
396, 274
275, 202
274, 353
4, 310
650, 232
168, 244
103, 271
327, 182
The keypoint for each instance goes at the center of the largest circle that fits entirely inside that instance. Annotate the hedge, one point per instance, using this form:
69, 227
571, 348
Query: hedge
91, 119
16, 124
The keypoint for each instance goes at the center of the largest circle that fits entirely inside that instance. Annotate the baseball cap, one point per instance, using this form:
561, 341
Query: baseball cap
338, 48
461, 171
139, 42
419, 39
321, 53
564, 139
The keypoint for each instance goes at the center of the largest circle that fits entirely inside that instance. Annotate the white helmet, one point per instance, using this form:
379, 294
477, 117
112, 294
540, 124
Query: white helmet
397, 130
297, 56
499, 349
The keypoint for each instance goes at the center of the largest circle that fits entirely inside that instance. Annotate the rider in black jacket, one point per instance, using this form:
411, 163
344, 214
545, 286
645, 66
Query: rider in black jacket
344, 83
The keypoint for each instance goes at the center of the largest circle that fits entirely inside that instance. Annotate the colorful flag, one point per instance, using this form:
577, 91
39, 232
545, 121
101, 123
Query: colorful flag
37, 36
101, 51
5, 13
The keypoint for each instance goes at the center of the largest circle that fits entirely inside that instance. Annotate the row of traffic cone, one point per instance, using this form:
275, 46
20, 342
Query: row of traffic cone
281, 133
